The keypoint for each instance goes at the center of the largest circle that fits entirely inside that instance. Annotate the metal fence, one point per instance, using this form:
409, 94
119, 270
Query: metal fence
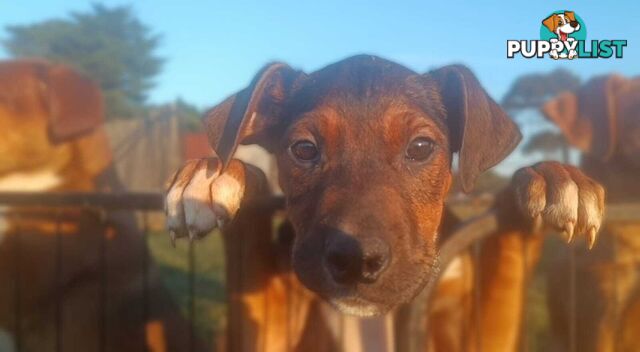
20, 206
56, 209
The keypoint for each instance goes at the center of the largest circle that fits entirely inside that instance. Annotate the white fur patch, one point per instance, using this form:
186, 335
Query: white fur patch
454, 270
196, 198
227, 192
589, 203
37, 181
563, 211
174, 209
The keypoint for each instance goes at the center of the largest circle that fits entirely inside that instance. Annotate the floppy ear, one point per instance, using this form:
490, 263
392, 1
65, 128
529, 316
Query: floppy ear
550, 23
74, 101
479, 129
93, 151
247, 116
571, 15
588, 117
563, 112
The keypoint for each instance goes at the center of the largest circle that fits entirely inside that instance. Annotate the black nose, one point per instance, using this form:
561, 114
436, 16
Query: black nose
350, 260
574, 24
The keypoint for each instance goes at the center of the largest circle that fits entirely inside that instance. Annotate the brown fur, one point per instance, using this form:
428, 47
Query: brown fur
601, 118
51, 118
361, 192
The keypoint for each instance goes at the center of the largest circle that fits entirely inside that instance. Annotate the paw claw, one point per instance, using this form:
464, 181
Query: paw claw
591, 237
220, 222
561, 197
569, 231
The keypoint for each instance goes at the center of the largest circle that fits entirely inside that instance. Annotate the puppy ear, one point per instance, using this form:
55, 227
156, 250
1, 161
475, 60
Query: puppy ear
247, 116
94, 151
480, 130
550, 23
570, 15
588, 117
75, 103
563, 112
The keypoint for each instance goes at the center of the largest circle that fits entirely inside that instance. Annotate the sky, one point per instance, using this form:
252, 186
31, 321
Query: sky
213, 48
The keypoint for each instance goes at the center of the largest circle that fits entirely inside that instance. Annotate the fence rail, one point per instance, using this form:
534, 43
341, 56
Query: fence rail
106, 201
470, 232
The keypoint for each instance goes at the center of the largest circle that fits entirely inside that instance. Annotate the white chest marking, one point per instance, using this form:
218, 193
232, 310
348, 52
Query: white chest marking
41, 180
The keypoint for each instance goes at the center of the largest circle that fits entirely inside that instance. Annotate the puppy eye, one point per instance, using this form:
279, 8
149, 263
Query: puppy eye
304, 151
419, 149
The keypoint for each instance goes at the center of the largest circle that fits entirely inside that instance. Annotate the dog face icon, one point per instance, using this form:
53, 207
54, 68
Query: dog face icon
562, 24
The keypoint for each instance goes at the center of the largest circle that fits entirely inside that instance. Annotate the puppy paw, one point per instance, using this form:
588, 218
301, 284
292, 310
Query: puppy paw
572, 54
560, 196
201, 198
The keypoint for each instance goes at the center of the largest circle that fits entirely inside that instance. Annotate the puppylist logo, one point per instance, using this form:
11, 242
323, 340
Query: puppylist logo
563, 35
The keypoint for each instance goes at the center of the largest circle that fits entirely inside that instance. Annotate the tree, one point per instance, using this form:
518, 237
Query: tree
110, 45
532, 90
546, 142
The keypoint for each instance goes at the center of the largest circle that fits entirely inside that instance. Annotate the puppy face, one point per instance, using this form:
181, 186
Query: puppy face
48, 114
364, 150
365, 170
562, 24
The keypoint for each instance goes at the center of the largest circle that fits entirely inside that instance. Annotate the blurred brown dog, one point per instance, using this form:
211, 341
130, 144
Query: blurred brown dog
53, 140
602, 119
364, 149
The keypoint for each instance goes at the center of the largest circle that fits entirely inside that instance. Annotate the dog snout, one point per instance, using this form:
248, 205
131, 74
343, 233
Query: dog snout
350, 260
574, 24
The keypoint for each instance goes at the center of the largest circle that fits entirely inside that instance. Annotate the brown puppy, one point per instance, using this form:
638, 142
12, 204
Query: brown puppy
364, 149
53, 140
602, 119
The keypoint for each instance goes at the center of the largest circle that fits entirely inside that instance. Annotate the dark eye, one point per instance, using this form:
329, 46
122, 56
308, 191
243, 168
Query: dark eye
419, 149
304, 151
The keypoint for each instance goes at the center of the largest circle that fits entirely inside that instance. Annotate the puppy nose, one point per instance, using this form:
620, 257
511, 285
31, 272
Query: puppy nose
351, 260
574, 24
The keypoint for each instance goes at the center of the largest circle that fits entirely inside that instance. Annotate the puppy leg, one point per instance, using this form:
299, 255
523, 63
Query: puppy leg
268, 308
504, 264
201, 197
548, 194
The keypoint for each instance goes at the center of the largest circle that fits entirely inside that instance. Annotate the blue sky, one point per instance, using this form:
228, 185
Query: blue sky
214, 47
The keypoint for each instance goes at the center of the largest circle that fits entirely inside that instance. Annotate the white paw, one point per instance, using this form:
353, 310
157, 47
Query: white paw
200, 199
560, 196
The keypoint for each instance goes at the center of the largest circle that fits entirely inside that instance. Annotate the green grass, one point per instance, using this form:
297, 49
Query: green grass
209, 289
